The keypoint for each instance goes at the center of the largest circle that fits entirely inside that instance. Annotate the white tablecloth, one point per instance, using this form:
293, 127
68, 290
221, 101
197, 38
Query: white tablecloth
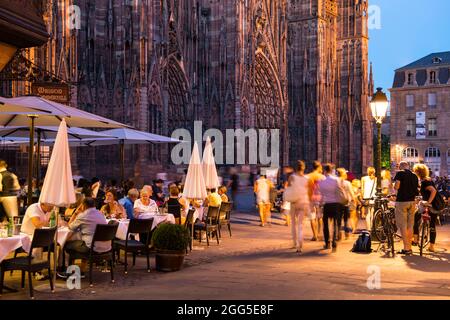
122, 229
7, 245
157, 218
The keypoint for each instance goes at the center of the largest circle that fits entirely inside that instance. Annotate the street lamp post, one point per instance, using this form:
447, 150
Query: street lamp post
379, 105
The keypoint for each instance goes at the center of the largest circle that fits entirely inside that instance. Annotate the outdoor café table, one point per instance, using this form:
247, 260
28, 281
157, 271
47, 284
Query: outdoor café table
122, 228
7, 245
158, 218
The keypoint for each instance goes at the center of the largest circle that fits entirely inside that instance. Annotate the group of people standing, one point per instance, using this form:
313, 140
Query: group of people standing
334, 204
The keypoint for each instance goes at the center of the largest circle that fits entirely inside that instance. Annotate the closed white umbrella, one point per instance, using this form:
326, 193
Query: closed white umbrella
209, 167
194, 186
58, 188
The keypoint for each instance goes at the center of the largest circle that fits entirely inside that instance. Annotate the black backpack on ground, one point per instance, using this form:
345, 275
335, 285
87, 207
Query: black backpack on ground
363, 244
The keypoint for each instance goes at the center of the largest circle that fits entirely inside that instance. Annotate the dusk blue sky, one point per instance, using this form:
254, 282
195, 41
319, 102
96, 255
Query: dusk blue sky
410, 29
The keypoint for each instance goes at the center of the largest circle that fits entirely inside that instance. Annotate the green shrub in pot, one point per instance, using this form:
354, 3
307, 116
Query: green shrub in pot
170, 237
170, 242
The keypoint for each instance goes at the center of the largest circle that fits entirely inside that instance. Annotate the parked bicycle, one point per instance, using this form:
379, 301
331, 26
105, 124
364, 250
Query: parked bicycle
384, 228
424, 227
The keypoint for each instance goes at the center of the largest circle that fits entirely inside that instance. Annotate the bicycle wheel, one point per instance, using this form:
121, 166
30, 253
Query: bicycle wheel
378, 231
424, 235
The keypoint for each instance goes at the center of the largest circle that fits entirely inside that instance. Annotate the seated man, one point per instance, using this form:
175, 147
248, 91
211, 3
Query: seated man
84, 223
36, 217
128, 202
213, 199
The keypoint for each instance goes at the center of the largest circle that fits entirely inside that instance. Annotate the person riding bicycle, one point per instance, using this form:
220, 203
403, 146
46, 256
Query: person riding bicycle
428, 191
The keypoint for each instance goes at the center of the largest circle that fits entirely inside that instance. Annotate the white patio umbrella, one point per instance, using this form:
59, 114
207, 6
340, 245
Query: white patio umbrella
58, 188
122, 137
21, 134
48, 113
209, 166
194, 186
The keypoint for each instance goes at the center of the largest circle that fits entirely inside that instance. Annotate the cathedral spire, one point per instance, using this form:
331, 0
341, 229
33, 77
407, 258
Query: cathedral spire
371, 83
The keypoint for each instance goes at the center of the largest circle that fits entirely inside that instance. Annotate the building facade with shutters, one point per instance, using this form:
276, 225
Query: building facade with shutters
420, 113
300, 66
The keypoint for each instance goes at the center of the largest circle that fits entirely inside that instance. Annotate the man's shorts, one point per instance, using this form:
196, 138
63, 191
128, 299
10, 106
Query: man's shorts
404, 214
316, 211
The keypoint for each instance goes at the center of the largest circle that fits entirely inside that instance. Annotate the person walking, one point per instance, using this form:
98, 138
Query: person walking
262, 189
345, 213
9, 189
368, 192
428, 191
315, 212
329, 189
301, 185
407, 186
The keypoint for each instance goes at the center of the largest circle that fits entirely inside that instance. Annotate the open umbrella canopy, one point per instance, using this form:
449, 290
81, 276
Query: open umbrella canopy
8, 108
209, 167
126, 136
194, 186
58, 186
49, 113
46, 133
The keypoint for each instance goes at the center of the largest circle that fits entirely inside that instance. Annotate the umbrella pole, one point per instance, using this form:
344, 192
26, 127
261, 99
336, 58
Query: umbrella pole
55, 247
30, 161
38, 159
122, 160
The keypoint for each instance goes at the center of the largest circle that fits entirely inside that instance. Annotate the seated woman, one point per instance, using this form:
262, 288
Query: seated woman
113, 209
74, 208
145, 205
223, 193
175, 204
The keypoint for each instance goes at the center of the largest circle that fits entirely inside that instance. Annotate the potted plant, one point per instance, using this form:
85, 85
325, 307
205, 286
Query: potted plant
170, 242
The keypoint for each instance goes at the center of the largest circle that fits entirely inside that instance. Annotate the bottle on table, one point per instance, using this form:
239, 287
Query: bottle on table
10, 227
52, 222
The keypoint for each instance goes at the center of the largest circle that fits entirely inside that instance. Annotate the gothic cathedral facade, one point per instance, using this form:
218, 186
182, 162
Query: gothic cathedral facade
300, 66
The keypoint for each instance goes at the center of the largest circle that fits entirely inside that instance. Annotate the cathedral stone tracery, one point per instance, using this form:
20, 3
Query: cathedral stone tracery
295, 65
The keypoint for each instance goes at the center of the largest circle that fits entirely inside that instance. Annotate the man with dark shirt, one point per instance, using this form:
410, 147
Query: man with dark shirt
407, 186
158, 195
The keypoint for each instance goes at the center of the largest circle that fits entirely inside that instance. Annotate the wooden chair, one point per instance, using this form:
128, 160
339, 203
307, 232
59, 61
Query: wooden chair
42, 238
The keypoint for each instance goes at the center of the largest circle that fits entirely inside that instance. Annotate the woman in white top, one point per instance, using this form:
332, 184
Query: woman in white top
144, 205
299, 182
368, 191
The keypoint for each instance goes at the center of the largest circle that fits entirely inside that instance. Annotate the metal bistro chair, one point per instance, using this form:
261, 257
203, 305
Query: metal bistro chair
141, 226
225, 216
189, 224
103, 232
42, 238
210, 225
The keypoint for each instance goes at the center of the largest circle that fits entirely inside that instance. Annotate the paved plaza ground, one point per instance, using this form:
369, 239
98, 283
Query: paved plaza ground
257, 263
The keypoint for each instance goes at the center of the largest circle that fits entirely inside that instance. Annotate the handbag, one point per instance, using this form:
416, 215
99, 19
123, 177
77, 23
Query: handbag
342, 194
291, 194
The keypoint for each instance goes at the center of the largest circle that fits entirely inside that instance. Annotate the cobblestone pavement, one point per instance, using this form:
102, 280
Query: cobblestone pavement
257, 263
